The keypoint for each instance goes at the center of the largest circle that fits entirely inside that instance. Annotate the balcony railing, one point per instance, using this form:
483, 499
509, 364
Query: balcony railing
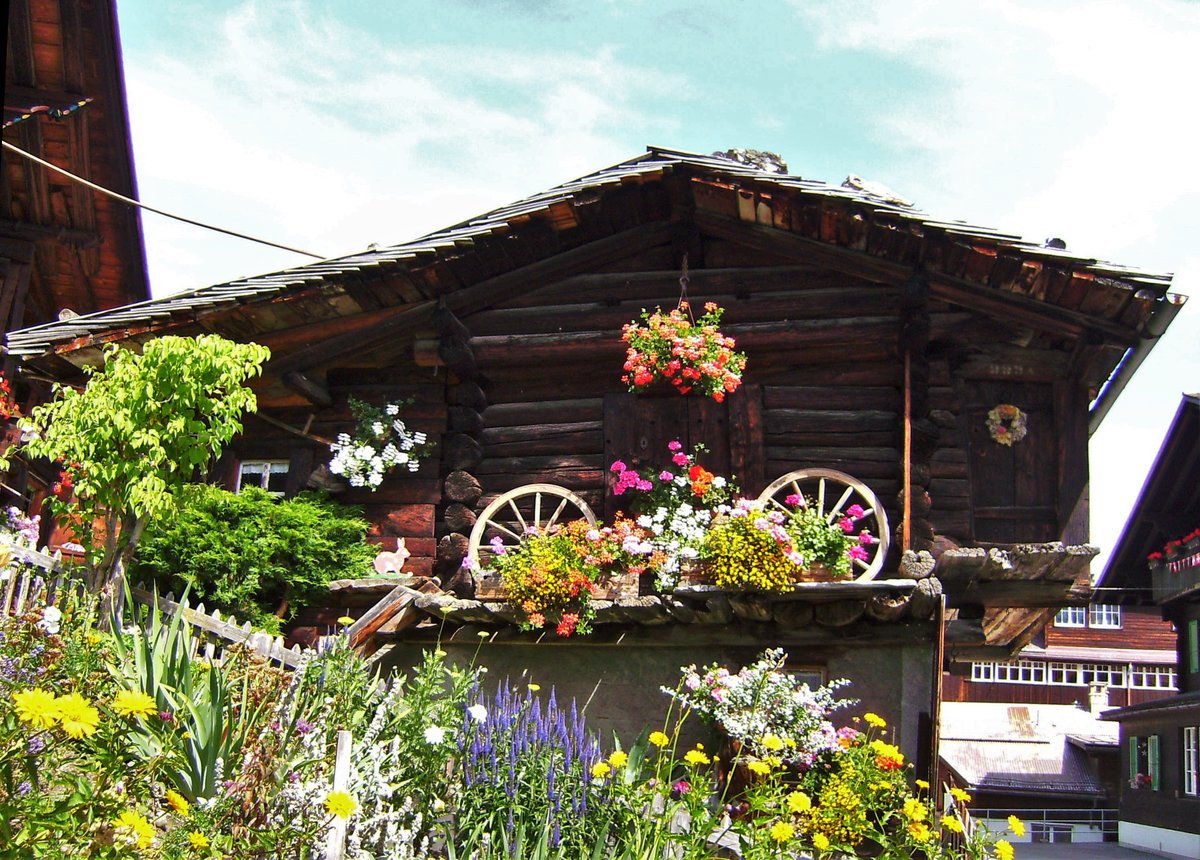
1175, 578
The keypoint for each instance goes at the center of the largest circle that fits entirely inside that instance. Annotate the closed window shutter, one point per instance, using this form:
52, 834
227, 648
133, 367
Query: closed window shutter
1133, 758
1152, 754
1194, 646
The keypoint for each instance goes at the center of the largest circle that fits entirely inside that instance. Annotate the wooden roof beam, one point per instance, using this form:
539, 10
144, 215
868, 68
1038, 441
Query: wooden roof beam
1042, 316
467, 300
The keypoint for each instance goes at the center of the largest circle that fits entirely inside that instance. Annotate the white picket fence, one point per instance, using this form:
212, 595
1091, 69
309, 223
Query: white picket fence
31, 584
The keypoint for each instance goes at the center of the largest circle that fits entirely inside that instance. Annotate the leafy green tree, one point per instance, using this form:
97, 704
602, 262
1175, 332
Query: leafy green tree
145, 425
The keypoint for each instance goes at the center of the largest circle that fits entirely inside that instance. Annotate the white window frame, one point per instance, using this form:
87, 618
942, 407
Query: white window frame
1071, 616
1191, 761
267, 468
1104, 616
1152, 676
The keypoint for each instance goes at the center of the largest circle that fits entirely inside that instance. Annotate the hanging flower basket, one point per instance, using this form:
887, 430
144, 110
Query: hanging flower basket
689, 355
380, 443
1007, 424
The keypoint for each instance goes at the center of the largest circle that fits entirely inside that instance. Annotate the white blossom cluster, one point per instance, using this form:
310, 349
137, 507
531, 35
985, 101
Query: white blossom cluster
377, 447
386, 826
678, 533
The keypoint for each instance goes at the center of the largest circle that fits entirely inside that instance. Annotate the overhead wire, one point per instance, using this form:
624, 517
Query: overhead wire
129, 200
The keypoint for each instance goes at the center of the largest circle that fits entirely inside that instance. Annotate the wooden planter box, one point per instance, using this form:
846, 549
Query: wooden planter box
488, 586
1169, 584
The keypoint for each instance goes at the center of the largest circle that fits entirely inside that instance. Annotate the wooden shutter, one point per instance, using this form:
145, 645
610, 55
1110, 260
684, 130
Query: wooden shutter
1153, 763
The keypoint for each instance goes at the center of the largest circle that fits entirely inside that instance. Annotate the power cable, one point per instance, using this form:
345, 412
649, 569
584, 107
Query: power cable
140, 205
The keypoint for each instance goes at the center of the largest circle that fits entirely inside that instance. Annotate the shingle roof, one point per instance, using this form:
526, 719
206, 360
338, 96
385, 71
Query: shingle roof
657, 162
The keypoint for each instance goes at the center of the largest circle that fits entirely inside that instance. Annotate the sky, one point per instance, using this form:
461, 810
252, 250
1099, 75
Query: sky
329, 125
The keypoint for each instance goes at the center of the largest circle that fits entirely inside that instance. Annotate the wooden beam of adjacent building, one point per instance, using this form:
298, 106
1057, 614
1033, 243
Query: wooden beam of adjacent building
1031, 312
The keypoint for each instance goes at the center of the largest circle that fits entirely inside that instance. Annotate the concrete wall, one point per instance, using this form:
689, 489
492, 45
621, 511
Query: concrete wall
618, 685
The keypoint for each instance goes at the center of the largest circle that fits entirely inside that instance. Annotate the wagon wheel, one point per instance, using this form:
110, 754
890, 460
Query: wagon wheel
832, 492
530, 506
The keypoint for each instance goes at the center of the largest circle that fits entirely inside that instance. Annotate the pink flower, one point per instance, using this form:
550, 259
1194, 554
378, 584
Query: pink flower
865, 539
617, 466
680, 459
793, 500
857, 553
664, 475
846, 524
645, 486
855, 511
674, 445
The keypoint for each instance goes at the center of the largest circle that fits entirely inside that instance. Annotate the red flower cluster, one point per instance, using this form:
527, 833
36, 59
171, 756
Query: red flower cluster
8, 406
690, 355
1178, 546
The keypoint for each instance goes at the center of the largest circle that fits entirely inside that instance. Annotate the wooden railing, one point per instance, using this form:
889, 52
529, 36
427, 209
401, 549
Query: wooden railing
1176, 578
25, 585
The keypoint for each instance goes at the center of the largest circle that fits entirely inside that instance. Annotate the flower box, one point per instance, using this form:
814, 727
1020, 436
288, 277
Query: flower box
692, 573
1174, 581
490, 586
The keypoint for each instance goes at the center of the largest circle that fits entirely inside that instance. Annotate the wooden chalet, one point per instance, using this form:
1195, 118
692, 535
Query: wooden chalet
1160, 740
878, 340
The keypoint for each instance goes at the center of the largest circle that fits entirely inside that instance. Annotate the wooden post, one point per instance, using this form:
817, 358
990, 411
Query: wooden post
335, 846
906, 527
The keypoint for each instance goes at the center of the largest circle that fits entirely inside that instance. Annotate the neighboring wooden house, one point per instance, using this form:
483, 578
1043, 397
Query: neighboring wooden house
878, 340
64, 248
1120, 655
1160, 740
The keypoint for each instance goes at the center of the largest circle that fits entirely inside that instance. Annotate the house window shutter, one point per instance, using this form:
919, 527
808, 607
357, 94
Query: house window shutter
1193, 646
1133, 759
1153, 766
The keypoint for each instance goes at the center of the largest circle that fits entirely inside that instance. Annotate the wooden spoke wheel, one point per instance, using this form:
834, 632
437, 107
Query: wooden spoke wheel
517, 512
832, 493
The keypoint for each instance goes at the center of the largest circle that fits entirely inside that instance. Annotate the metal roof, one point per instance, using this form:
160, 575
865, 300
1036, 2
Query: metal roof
656, 161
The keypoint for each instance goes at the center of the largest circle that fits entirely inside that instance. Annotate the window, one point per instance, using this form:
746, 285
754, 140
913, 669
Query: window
1072, 616
270, 475
1146, 676
1191, 760
1144, 762
1105, 615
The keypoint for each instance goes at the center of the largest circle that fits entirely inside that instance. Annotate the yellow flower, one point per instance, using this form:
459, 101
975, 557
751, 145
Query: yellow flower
782, 831
1016, 825
760, 768
134, 703
177, 802
659, 739
949, 822
696, 756
875, 720
799, 802
914, 810
820, 841
618, 759
77, 716
601, 769
198, 839
345, 620
134, 828
93, 638
772, 742
919, 831
341, 803
533, 688
1003, 849
960, 795
36, 707
923, 785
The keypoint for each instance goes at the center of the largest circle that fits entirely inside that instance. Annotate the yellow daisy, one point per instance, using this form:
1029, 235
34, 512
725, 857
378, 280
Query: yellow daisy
820, 841
875, 720
178, 802
198, 839
77, 716
601, 769
782, 831
659, 739
799, 802
341, 803
134, 703
37, 707
1016, 825
134, 828
696, 757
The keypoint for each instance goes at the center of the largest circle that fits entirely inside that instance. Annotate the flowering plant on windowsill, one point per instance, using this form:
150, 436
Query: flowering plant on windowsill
381, 442
675, 505
690, 355
551, 575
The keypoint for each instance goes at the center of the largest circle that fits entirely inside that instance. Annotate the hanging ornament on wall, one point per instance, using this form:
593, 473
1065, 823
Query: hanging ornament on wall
1007, 424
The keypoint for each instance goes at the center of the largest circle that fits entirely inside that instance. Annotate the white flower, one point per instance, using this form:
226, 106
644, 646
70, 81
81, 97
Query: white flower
393, 409
718, 481
478, 713
377, 428
435, 735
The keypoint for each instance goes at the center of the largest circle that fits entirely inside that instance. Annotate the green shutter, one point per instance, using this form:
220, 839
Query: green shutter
1193, 646
1152, 755
1133, 759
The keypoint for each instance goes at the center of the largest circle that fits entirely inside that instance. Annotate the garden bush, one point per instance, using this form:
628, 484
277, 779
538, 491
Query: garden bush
248, 553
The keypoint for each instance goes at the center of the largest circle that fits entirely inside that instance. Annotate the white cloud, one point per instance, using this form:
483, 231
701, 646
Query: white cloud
299, 130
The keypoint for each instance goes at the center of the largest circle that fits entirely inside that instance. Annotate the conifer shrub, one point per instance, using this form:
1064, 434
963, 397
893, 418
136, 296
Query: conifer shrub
248, 552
